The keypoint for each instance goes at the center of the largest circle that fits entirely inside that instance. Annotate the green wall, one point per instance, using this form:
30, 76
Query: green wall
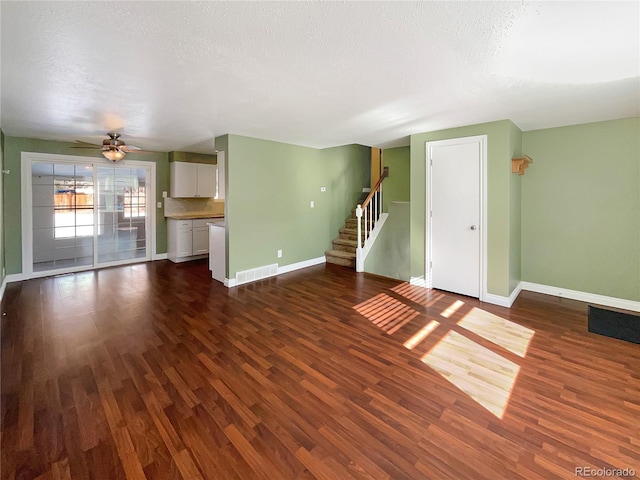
498, 199
581, 208
397, 186
14, 146
269, 189
389, 255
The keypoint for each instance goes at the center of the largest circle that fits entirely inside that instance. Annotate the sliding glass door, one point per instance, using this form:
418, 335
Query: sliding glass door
122, 214
85, 215
62, 216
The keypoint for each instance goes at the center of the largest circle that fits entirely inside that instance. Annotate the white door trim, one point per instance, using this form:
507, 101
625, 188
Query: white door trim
482, 140
26, 158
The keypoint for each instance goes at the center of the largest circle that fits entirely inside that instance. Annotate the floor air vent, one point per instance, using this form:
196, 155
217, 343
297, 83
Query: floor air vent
610, 323
254, 274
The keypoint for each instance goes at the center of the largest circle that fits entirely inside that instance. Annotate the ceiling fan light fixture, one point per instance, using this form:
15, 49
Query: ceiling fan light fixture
113, 154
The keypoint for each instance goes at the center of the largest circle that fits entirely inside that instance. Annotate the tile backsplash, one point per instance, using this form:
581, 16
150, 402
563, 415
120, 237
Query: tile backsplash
176, 206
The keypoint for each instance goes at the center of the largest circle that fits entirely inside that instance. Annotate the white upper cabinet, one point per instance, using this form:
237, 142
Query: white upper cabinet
206, 180
184, 179
190, 180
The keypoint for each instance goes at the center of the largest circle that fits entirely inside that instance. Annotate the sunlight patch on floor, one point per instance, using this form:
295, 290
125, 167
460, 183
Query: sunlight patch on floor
421, 334
417, 294
386, 312
498, 330
486, 376
451, 309
482, 374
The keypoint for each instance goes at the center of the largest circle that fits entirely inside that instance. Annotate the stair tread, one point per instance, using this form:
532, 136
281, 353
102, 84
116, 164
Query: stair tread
349, 230
354, 224
340, 253
344, 241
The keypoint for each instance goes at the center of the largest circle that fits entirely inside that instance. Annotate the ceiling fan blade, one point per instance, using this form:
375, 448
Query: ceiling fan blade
81, 144
136, 151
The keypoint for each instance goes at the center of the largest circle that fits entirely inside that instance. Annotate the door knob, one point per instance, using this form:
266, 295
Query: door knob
473, 227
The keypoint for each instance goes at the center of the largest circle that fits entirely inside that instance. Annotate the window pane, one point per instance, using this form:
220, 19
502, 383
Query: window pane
43, 217
64, 171
84, 217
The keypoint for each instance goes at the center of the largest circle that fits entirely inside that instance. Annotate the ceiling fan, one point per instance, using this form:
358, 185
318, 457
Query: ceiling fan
113, 148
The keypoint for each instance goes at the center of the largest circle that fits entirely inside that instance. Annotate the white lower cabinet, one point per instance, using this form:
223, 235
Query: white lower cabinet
200, 237
187, 239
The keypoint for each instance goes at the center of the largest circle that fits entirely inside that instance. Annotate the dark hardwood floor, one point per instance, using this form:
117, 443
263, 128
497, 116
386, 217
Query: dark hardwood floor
156, 371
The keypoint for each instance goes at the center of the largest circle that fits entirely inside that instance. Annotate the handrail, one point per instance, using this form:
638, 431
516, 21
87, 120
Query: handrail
385, 174
372, 213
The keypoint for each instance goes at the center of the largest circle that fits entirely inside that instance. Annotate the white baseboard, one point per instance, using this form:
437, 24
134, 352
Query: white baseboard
582, 296
515, 293
232, 282
504, 301
304, 264
489, 298
549, 290
160, 256
496, 300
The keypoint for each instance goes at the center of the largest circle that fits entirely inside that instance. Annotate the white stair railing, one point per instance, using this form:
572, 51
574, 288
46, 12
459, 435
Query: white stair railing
368, 214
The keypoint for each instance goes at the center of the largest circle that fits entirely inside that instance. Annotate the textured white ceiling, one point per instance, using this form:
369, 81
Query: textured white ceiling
173, 75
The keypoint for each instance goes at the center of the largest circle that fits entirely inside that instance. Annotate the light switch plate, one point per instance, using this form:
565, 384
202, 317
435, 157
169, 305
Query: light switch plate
279, 253
312, 204
164, 194
159, 204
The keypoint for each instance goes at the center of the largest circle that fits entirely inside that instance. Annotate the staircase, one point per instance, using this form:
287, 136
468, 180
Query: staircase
346, 251
344, 247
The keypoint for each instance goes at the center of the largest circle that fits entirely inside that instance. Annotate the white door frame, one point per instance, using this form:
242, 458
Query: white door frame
482, 140
26, 159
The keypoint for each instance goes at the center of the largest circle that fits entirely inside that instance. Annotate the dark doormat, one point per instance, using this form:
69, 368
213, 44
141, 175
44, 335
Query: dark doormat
623, 326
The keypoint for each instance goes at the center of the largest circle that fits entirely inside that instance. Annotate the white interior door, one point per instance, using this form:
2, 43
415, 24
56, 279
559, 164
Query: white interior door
455, 217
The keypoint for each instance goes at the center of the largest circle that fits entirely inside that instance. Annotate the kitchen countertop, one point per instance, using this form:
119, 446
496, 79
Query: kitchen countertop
191, 216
